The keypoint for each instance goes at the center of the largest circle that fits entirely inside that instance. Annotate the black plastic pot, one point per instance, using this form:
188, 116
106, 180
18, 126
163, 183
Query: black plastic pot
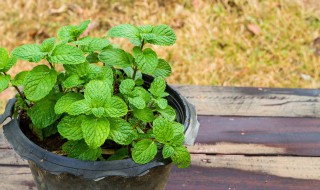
52, 171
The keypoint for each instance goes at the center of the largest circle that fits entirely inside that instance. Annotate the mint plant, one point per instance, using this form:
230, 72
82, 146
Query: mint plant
98, 104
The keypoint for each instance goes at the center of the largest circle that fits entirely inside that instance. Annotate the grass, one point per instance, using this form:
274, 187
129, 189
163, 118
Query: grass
225, 42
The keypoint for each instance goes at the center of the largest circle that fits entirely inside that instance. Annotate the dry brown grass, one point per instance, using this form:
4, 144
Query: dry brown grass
223, 42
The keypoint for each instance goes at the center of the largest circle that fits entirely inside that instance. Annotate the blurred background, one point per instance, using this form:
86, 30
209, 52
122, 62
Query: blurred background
261, 43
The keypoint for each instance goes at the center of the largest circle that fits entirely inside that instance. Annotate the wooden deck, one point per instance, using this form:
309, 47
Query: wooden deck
249, 138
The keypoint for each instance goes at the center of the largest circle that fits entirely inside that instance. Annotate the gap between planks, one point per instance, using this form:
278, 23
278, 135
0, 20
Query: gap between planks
242, 101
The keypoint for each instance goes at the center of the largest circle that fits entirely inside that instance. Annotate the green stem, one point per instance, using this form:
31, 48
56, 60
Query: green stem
51, 66
135, 69
59, 84
142, 44
150, 106
20, 93
136, 125
108, 151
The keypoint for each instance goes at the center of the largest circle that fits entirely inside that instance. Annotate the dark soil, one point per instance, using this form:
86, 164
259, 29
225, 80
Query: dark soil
52, 143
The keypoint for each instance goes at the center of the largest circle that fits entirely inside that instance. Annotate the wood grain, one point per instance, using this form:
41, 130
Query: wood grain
3, 142
242, 101
9, 158
258, 135
282, 166
205, 178
16, 178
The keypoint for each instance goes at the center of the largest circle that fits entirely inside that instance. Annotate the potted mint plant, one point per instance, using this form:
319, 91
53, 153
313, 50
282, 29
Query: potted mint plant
93, 116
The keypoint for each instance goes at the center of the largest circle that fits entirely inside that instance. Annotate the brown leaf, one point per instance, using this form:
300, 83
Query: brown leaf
316, 45
62, 9
254, 29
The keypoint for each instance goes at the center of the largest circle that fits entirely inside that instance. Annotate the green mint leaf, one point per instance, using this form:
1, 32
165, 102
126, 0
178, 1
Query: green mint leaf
81, 69
19, 78
146, 60
161, 35
105, 73
146, 114
120, 154
158, 86
178, 128
121, 131
162, 103
97, 92
70, 127
42, 112
48, 45
94, 71
66, 54
95, 131
178, 138
4, 56
67, 33
139, 81
181, 157
145, 28
80, 107
115, 107
71, 33
167, 151
163, 69
168, 113
116, 57
4, 82
145, 136
144, 151
83, 41
98, 112
11, 62
82, 27
80, 150
126, 86
126, 31
92, 57
29, 52
163, 130
49, 131
143, 93
89, 44
6, 62
39, 82
64, 103
164, 94
72, 81
137, 102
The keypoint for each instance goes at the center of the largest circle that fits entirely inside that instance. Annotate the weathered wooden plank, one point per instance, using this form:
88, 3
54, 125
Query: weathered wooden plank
252, 136
281, 166
204, 178
217, 172
255, 166
13, 178
258, 135
242, 101
9, 157
195, 177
